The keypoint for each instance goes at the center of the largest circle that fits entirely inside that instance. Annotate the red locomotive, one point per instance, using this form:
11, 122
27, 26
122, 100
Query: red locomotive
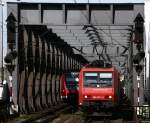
69, 85
98, 86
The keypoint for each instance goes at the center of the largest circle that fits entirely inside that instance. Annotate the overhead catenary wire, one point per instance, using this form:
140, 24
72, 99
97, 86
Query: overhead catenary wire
109, 35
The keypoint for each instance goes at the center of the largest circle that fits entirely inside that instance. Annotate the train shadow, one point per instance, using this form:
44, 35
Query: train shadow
125, 113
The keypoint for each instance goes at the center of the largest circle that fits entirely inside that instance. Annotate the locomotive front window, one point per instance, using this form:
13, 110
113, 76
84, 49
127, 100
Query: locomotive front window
71, 82
98, 79
105, 79
90, 78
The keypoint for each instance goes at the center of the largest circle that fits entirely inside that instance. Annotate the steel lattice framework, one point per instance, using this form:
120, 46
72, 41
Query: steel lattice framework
53, 38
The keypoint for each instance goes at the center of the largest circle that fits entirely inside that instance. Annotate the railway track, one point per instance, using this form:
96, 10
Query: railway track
64, 114
108, 121
50, 117
44, 116
104, 119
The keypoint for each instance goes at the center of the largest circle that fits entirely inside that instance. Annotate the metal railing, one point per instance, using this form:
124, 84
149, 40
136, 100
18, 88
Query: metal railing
143, 112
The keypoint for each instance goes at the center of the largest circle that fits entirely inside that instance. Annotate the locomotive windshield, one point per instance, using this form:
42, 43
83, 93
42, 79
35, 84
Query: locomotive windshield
71, 82
97, 79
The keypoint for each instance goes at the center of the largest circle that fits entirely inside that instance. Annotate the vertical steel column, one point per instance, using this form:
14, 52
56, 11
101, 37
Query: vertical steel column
53, 71
131, 68
56, 70
21, 63
51, 63
30, 71
48, 76
64, 13
26, 72
43, 75
112, 13
59, 69
36, 69
34, 60
88, 13
40, 13
38, 79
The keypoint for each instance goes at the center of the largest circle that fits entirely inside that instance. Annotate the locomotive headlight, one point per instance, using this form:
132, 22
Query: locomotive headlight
77, 79
110, 97
85, 96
